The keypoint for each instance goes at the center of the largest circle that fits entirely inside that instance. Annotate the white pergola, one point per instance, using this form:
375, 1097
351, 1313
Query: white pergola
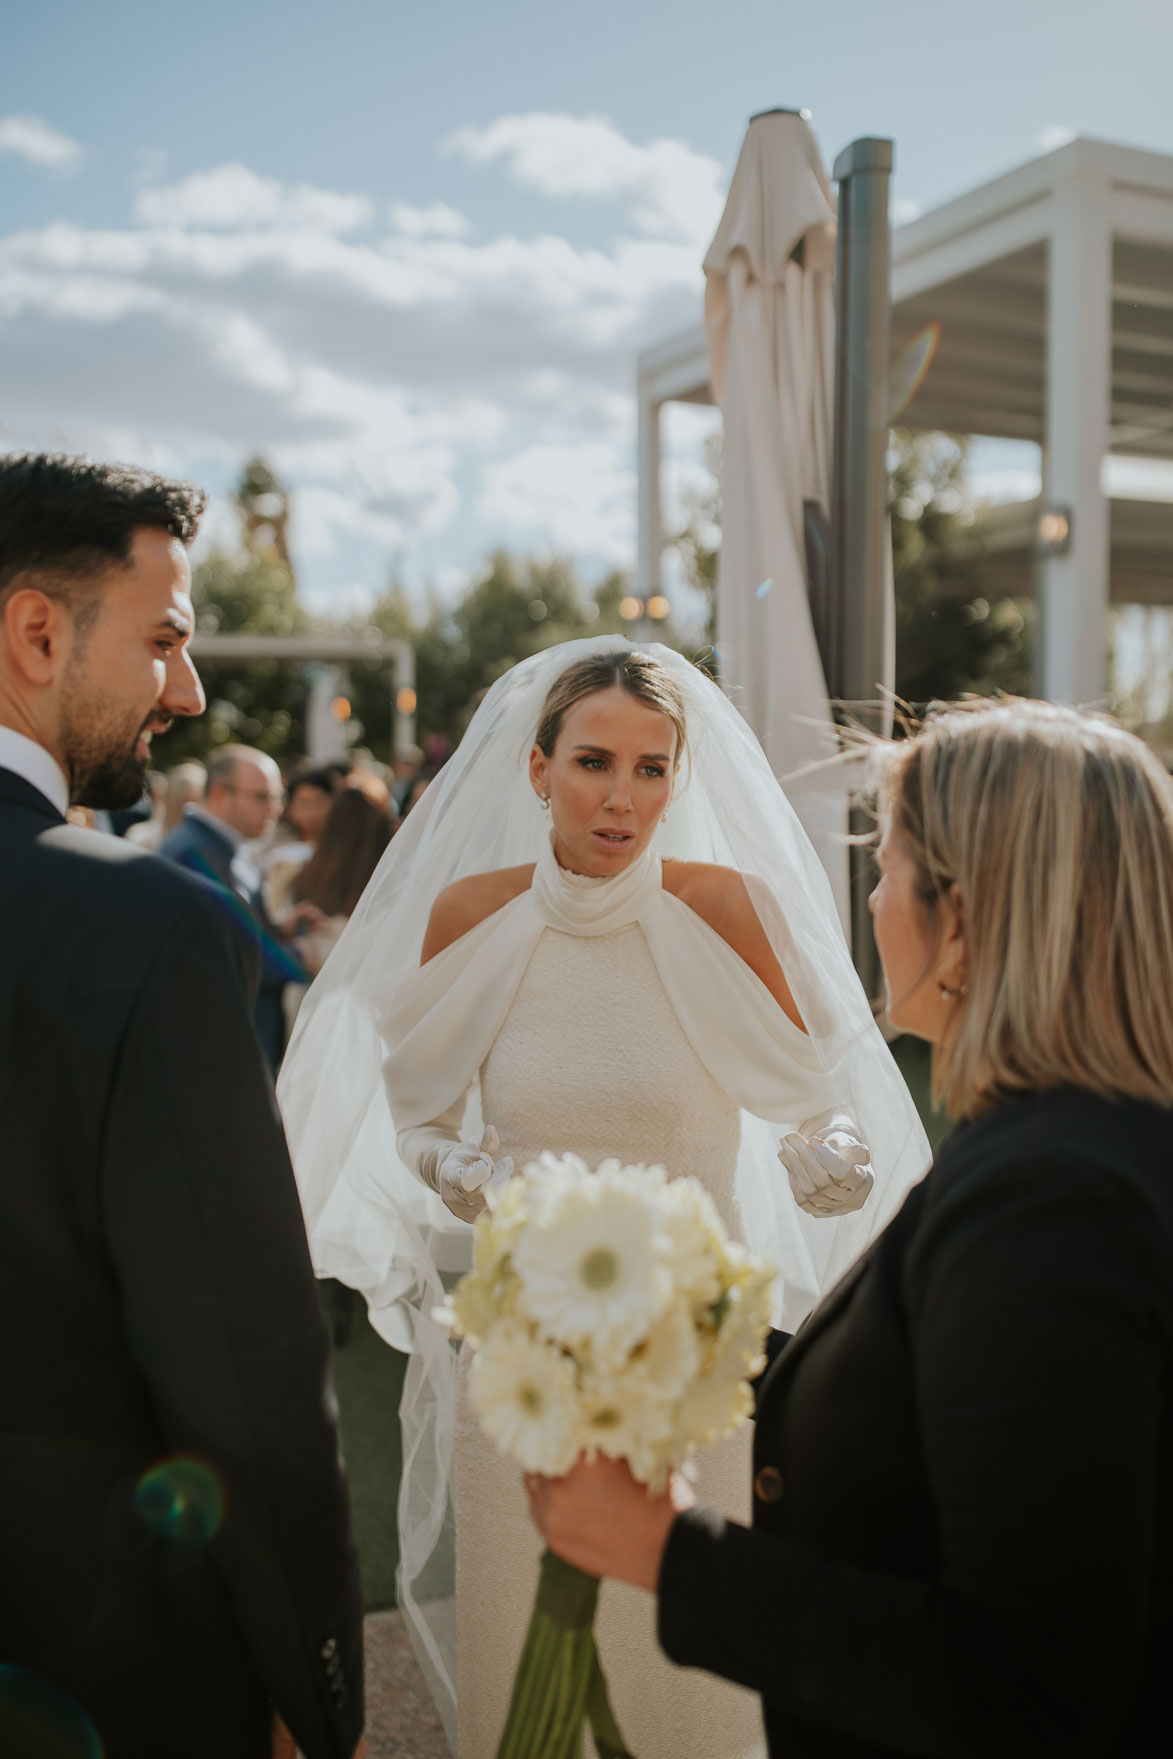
1053, 287
330, 653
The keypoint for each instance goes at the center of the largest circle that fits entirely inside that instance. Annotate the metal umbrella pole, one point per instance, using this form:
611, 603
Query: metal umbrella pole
853, 623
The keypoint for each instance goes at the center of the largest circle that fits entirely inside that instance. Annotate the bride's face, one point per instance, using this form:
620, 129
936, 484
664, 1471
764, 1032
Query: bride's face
609, 781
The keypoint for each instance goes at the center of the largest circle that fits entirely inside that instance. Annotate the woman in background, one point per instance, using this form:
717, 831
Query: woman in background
309, 795
356, 831
183, 786
962, 1536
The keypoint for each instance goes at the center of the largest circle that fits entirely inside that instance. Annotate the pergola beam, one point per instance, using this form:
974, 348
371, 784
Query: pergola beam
305, 649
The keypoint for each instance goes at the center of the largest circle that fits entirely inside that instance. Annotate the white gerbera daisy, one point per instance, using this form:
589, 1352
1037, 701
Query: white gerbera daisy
624, 1417
669, 1356
713, 1406
525, 1395
591, 1263
697, 1246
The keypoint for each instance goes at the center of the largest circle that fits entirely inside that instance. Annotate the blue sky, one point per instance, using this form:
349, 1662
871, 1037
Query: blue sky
410, 252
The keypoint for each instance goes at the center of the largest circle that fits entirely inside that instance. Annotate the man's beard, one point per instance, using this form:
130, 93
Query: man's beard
103, 766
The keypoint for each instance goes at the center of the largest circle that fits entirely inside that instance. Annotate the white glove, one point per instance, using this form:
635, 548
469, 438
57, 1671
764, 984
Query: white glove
830, 1172
461, 1173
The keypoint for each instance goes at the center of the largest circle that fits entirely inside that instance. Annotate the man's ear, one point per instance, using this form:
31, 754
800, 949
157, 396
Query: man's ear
539, 770
38, 633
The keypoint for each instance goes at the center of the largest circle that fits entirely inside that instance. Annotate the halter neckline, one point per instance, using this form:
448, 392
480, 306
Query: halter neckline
586, 904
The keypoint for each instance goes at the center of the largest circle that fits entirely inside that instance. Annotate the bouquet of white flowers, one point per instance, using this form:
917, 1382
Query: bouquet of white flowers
610, 1314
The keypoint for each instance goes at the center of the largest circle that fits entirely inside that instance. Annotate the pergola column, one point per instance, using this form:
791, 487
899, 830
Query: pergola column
1074, 585
651, 521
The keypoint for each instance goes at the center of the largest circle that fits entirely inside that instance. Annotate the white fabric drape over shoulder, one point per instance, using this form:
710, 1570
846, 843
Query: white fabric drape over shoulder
445, 1017
381, 1044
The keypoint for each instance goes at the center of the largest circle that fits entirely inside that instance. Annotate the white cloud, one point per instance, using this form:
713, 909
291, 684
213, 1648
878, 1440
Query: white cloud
1054, 135
31, 138
435, 221
576, 497
379, 373
233, 197
671, 191
905, 210
339, 599
320, 515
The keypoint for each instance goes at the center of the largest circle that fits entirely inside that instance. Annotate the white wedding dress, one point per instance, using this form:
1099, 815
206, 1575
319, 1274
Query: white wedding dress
605, 1018
592, 1060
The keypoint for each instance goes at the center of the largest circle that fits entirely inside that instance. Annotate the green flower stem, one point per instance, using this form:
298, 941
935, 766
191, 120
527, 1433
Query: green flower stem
560, 1685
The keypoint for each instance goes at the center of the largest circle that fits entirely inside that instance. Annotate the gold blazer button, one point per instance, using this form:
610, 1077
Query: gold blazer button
767, 1486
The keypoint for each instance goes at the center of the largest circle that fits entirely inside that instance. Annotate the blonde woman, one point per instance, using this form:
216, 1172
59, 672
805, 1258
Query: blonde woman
601, 931
963, 1497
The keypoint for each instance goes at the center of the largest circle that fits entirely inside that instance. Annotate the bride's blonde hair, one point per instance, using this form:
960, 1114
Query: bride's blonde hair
1056, 826
639, 674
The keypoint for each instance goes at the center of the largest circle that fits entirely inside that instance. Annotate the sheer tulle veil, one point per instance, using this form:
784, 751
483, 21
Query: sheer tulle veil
373, 1225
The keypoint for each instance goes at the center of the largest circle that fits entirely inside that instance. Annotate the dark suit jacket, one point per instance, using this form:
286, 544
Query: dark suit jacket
196, 846
156, 1300
963, 1511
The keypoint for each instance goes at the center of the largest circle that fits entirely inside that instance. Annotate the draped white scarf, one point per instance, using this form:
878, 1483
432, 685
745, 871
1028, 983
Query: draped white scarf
445, 1017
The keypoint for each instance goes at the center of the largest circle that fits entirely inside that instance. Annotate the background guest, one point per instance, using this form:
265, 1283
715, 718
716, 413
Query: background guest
241, 805
963, 1501
405, 766
335, 877
309, 795
420, 784
181, 786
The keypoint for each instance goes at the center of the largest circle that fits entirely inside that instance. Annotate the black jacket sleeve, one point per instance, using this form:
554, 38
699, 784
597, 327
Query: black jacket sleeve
1037, 1313
206, 1238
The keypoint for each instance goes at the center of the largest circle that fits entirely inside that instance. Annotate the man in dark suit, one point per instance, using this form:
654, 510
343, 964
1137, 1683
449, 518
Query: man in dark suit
178, 1572
242, 801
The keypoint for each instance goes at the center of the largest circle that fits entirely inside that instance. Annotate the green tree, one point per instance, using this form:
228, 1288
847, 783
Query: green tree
951, 640
260, 702
515, 607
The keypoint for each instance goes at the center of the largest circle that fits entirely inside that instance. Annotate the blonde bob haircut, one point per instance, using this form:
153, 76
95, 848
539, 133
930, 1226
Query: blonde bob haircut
1056, 827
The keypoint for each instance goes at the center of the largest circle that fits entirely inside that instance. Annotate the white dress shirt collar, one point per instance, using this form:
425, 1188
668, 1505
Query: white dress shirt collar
25, 758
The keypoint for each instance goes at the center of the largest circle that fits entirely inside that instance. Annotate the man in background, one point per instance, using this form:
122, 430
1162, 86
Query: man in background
178, 1571
241, 804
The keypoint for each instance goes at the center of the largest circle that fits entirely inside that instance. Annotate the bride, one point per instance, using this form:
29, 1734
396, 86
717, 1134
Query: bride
601, 932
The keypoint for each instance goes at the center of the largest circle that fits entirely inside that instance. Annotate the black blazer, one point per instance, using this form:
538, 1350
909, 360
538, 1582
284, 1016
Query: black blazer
963, 1510
196, 846
156, 1300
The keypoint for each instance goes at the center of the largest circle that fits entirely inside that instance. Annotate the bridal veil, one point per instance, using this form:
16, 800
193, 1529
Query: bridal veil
375, 1227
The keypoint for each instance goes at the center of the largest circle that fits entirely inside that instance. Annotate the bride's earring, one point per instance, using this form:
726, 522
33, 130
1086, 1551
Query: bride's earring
544, 802
952, 995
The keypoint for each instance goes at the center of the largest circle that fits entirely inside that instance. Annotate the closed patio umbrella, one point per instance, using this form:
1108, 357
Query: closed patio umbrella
770, 318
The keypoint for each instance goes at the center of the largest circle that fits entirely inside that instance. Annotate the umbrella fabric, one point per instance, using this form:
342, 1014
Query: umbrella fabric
770, 318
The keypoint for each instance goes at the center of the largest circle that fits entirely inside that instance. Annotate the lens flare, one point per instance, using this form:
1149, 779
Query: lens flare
180, 1501
763, 591
40, 1721
910, 369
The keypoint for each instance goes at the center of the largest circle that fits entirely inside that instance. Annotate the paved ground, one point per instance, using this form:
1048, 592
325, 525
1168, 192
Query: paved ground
401, 1719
